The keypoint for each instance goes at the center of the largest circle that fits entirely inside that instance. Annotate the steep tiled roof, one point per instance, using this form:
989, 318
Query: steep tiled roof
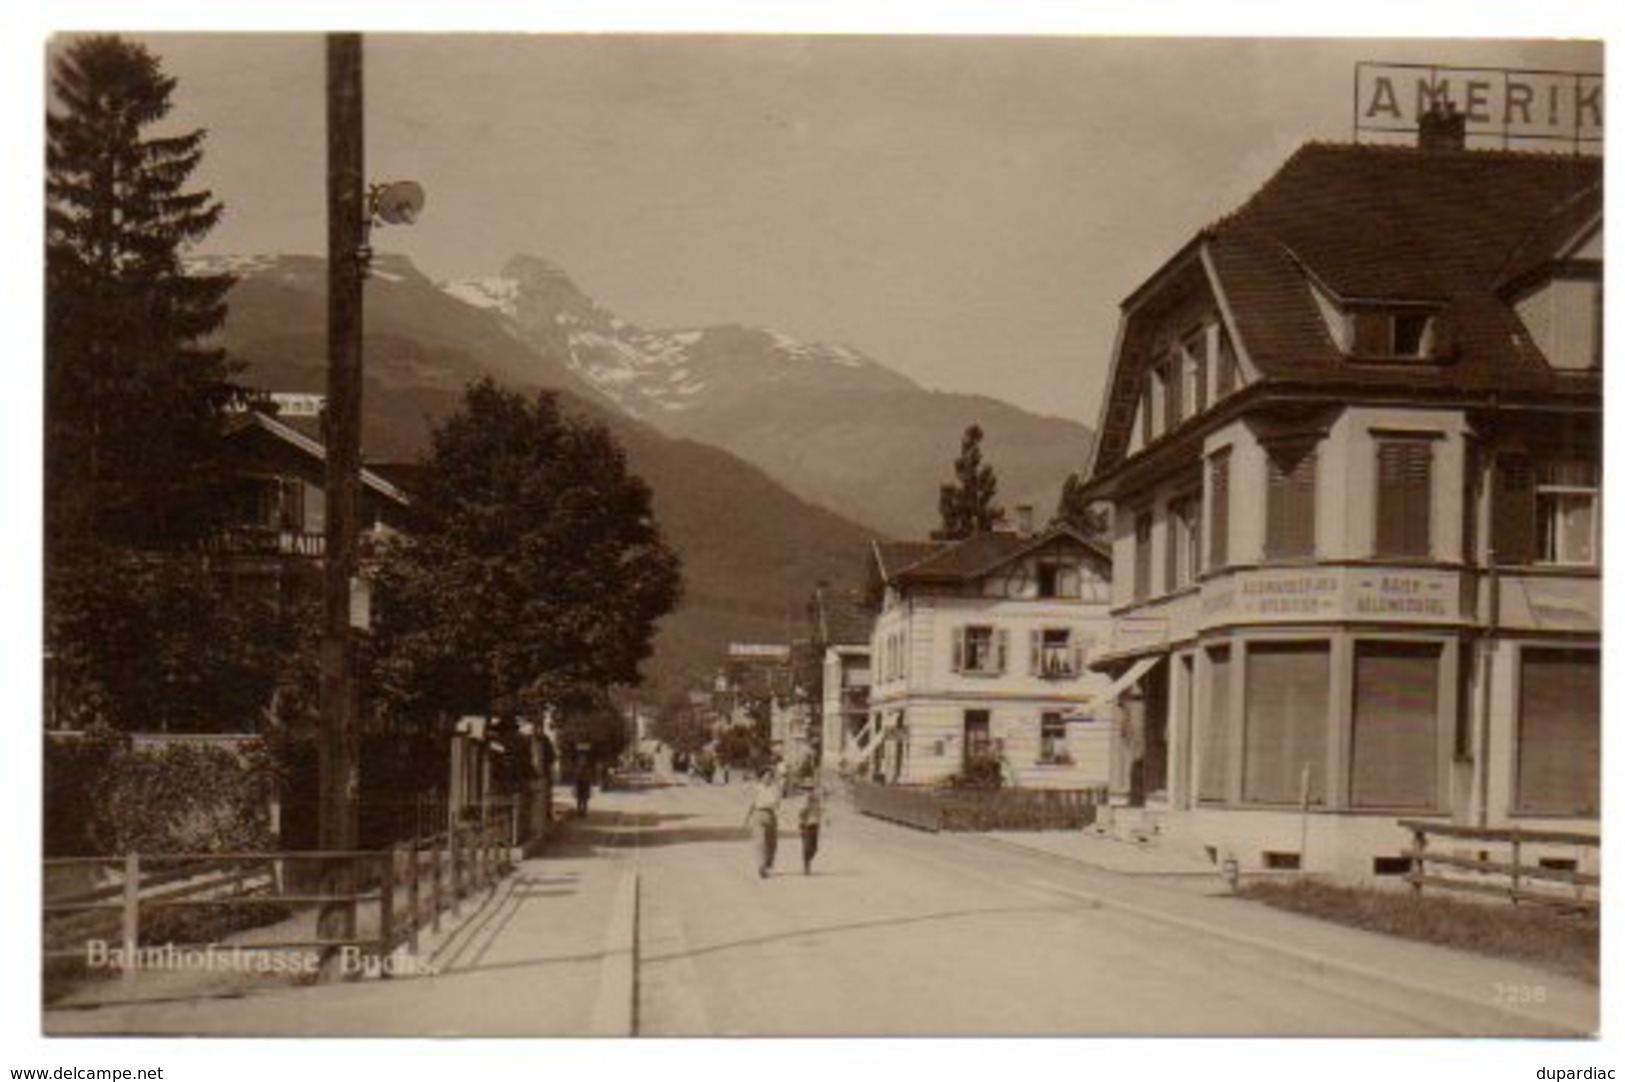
841, 619
1390, 223
975, 556
1450, 229
894, 556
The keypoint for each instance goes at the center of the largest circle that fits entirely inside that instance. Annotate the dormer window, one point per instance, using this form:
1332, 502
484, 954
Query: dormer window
1400, 334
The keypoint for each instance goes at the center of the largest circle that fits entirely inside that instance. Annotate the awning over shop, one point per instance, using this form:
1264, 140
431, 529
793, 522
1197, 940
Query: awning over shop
1130, 677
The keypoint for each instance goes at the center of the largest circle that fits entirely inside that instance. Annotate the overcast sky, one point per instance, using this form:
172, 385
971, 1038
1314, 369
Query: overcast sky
969, 211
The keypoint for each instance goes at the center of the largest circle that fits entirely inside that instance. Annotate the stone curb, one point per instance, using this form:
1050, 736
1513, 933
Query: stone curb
614, 1011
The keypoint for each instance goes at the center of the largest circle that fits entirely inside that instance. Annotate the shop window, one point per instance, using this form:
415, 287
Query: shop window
1395, 749
980, 650
1404, 497
1052, 747
1289, 524
1559, 732
1218, 544
1287, 689
1213, 771
1566, 511
1142, 555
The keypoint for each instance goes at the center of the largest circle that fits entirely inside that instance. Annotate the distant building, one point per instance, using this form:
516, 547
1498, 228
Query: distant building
840, 628
1352, 443
981, 653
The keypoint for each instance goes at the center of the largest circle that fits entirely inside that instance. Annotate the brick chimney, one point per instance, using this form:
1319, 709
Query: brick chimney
1024, 520
1442, 129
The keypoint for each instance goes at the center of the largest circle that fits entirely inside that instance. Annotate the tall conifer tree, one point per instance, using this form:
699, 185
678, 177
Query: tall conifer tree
134, 393
967, 506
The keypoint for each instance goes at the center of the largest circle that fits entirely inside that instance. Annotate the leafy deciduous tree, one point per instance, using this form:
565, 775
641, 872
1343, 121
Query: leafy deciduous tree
533, 572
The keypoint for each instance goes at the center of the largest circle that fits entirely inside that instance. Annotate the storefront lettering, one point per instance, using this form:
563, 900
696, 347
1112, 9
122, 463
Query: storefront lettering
1396, 595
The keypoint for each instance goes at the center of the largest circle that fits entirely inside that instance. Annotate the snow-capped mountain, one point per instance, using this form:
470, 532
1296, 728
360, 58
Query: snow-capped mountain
830, 423
653, 373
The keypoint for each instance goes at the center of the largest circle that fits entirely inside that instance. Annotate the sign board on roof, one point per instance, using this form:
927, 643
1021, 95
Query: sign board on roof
1498, 103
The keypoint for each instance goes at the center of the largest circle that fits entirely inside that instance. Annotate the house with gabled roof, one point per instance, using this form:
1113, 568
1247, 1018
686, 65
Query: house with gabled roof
1352, 442
980, 655
839, 624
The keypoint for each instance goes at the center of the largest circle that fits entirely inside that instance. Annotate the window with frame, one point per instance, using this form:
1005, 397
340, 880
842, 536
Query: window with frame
1398, 334
1052, 746
980, 650
1404, 497
1193, 349
978, 735
1566, 511
1055, 654
1142, 555
1218, 537
1289, 499
1184, 539
1059, 578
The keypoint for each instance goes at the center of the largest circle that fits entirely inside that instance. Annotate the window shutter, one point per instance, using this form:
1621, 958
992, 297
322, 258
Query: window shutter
1172, 385
1395, 750
1142, 556
1513, 516
1288, 698
1226, 377
959, 649
1035, 660
1077, 659
1003, 638
1218, 549
1170, 552
1404, 497
1289, 529
1559, 731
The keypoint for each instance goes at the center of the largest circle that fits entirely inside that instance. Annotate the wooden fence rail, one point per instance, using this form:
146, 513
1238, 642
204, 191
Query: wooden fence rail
1518, 865
410, 886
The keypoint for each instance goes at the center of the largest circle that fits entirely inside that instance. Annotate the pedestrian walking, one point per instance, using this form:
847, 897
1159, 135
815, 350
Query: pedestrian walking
762, 817
811, 819
583, 788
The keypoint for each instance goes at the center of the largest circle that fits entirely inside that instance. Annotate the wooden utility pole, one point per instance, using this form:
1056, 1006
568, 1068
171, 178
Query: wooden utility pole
340, 698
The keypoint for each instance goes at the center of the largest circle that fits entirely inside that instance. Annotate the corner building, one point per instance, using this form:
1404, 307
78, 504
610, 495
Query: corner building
1352, 442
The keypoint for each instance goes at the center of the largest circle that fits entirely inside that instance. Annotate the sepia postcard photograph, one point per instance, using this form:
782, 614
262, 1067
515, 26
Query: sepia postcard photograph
822, 533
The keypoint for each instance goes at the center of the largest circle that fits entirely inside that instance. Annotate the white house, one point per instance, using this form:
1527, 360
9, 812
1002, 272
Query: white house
981, 651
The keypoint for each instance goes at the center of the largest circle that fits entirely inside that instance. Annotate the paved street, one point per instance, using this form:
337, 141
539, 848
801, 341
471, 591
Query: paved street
649, 918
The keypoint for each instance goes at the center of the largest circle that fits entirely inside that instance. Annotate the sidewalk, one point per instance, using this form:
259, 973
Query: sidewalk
1469, 993
549, 952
